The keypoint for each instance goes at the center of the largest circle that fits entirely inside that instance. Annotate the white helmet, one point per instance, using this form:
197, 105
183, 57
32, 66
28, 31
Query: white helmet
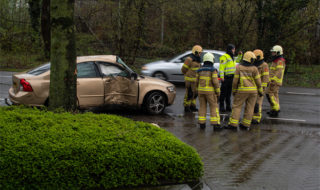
208, 57
278, 49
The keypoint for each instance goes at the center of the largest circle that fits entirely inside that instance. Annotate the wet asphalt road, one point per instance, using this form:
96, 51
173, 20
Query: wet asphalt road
282, 153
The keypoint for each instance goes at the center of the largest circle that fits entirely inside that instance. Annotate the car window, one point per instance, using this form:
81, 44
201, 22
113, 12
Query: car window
87, 70
39, 70
217, 58
182, 59
109, 69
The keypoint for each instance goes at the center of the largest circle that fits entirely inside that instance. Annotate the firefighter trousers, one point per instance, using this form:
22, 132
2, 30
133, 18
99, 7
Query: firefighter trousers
190, 95
210, 99
258, 109
273, 96
240, 98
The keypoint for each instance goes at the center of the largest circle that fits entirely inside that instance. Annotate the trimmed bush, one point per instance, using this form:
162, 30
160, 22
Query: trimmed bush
46, 150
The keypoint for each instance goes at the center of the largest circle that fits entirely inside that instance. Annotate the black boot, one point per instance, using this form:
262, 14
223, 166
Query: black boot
273, 113
187, 109
244, 127
202, 126
231, 127
193, 108
254, 122
217, 127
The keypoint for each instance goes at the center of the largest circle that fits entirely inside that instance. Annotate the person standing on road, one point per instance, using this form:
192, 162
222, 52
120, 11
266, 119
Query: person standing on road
209, 91
277, 69
227, 68
189, 69
263, 69
246, 84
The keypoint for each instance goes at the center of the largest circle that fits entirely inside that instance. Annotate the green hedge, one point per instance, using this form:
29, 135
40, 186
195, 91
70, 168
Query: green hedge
46, 150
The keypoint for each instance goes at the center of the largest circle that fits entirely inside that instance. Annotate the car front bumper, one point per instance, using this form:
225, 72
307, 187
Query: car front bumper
146, 73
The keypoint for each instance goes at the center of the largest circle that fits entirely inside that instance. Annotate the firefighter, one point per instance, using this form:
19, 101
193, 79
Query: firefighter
263, 69
245, 86
226, 70
189, 69
208, 91
277, 69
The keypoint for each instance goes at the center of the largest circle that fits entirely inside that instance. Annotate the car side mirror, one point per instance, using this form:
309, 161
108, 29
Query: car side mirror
133, 76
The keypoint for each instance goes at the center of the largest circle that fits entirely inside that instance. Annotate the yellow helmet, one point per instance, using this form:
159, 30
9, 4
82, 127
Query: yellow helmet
259, 54
196, 50
208, 57
278, 49
249, 57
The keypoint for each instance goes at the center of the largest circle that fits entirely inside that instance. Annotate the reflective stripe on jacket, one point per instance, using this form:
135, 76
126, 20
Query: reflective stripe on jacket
227, 65
264, 73
246, 80
207, 81
277, 70
189, 69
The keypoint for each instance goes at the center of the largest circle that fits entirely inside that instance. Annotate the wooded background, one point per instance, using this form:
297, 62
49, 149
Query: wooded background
162, 28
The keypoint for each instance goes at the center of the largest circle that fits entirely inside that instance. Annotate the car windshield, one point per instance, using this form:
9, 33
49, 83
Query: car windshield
39, 70
125, 66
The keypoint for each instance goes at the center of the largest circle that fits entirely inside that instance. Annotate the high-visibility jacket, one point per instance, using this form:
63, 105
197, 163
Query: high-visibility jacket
207, 81
227, 65
246, 79
189, 69
277, 70
264, 73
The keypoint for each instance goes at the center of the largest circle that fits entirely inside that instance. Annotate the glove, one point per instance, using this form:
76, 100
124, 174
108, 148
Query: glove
260, 94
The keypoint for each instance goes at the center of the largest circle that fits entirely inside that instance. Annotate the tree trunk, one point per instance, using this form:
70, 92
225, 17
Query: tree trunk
45, 27
63, 56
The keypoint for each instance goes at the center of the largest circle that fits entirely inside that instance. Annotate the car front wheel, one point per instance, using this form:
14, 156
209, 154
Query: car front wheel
160, 75
155, 103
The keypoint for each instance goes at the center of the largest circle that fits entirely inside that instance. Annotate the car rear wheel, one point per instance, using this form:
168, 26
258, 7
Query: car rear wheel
160, 75
155, 103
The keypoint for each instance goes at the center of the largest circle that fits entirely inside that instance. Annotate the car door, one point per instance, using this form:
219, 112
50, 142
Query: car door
90, 87
119, 88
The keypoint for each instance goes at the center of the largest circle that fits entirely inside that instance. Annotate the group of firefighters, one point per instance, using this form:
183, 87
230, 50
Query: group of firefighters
247, 82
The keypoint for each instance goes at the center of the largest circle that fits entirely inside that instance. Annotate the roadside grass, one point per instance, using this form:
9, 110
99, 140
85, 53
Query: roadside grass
303, 76
17, 63
40, 149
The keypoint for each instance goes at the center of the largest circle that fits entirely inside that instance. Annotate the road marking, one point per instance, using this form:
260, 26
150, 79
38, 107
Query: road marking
285, 119
1, 99
298, 93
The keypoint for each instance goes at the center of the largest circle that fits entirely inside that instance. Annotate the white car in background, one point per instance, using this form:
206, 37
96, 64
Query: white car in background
170, 70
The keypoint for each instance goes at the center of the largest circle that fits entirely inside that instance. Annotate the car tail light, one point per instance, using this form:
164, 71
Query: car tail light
25, 85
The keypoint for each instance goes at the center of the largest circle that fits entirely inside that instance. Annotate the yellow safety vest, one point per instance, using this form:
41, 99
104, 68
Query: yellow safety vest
227, 65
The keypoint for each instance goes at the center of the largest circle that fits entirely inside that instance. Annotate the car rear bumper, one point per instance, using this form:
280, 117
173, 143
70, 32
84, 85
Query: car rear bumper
26, 98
